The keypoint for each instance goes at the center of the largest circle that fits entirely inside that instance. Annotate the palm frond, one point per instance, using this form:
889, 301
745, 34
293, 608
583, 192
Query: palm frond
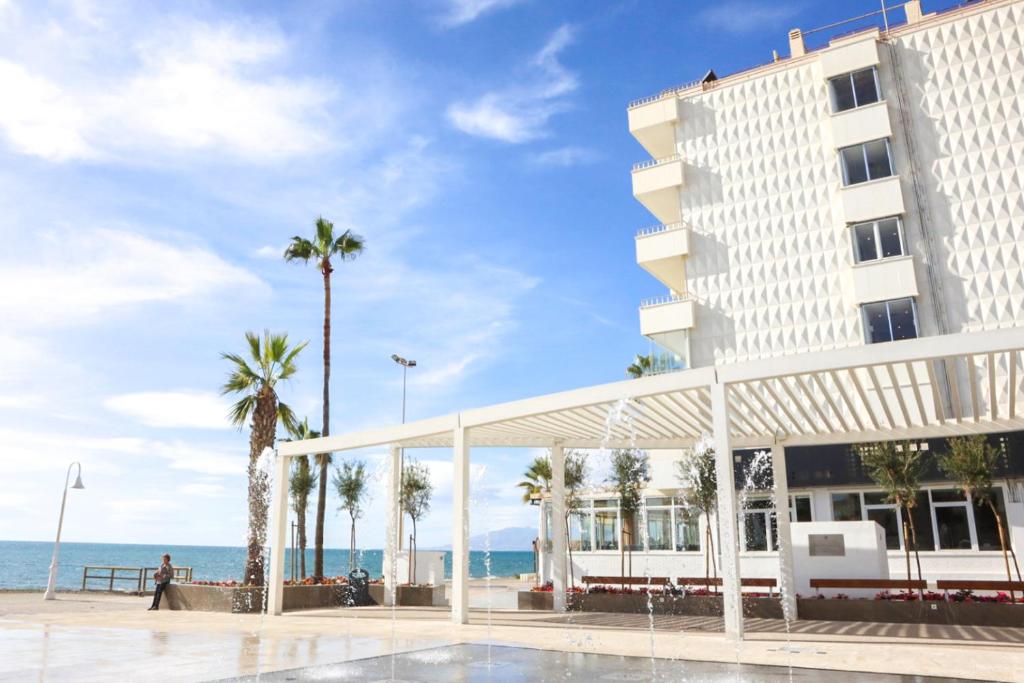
348, 245
286, 416
324, 236
241, 410
254, 346
300, 249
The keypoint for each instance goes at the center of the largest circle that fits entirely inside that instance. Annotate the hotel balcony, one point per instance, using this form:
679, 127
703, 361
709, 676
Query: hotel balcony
666, 321
888, 278
656, 185
653, 123
661, 251
873, 199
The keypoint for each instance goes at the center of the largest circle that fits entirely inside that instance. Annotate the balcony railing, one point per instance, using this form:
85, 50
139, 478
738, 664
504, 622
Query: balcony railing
660, 227
667, 92
662, 300
651, 163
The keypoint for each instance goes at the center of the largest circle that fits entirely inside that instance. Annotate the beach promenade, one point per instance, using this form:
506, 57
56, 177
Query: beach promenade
104, 637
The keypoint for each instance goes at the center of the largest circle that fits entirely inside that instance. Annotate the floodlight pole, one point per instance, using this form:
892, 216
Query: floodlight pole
406, 364
51, 584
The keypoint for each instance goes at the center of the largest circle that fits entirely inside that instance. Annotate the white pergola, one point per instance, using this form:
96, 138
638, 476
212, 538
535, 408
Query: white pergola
921, 388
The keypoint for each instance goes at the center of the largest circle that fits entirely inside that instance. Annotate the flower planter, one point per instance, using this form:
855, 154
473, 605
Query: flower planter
913, 612
693, 605
249, 600
539, 600
411, 596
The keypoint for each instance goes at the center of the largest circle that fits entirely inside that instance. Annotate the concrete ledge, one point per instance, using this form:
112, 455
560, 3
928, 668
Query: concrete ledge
249, 600
916, 612
536, 600
678, 605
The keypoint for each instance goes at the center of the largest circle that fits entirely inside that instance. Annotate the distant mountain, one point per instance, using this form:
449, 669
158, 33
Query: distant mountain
510, 538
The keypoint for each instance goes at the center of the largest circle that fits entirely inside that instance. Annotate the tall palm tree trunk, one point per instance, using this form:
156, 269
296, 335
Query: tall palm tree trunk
264, 426
321, 504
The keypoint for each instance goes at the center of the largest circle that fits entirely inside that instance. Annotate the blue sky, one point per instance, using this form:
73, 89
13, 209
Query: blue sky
155, 159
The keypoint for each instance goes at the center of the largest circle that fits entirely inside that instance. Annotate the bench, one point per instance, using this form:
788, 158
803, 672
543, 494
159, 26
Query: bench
628, 580
872, 584
707, 582
1011, 587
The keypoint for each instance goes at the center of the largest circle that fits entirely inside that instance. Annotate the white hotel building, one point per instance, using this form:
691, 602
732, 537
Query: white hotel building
865, 191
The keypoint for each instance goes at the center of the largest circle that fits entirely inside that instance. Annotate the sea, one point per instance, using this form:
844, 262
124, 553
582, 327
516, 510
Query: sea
26, 564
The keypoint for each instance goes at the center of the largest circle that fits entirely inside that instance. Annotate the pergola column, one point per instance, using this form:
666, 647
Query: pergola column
278, 534
786, 579
391, 540
558, 539
728, 544
460, 527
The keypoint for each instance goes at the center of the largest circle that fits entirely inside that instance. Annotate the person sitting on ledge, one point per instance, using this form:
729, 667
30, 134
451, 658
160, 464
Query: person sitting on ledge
162, 577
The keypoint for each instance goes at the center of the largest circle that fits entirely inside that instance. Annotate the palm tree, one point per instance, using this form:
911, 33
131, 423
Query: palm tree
272, 361
641, 367
321, 249
350, 485
301, 484
538, 480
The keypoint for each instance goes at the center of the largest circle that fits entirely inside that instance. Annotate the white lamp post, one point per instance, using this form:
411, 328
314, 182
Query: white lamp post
51, 585
406, 364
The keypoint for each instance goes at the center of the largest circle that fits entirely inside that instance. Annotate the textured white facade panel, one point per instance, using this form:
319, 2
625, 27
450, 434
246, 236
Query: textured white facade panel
863, 124
873, 199
859, 53
890, 278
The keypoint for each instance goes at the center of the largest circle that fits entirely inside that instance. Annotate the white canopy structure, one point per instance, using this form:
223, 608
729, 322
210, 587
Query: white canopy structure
920, 388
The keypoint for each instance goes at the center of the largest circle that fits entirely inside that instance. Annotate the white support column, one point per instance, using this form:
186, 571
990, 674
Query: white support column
542, 539
728, 536
278, 534
786, 579
460, 528
392, 531
559, 571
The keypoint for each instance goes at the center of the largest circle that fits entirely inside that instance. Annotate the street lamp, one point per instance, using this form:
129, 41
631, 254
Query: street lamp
406, 364
51, 585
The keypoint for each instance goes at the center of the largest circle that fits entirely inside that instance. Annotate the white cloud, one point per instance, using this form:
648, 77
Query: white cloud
141, 509
182, 87
268, 252
465, 11
74, 275
565, 157
202, 489
196, 409
744, 16
520, 113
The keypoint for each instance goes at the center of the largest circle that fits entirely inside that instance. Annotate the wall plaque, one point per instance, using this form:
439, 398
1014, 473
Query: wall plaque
826, 545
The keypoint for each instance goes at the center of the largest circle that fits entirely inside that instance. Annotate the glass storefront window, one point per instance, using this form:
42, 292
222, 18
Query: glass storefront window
985, 523
659, 529
888, 519
954, 529
687, 529
579, 531
846, 507
606, 534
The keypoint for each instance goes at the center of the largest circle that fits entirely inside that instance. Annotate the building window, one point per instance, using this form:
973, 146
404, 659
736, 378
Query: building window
800, 509
891, 320
877, 509
866, 161
846, 507
878, 240
606, 527
854, 89
579, 530
687, 527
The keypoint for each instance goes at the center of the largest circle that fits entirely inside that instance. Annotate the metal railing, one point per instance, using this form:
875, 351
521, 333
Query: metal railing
651, 163
662, 300
139, 576
661, 227
667, 92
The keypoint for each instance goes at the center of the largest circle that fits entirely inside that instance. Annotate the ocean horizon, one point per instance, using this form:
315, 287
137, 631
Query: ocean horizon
24, 565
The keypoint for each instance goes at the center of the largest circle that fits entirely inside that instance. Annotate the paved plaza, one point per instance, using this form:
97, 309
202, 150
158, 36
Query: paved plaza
92, 637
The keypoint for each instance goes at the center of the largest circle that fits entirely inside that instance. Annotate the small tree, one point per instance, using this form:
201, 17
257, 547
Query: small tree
696, 473
537, 480
629, 474
350, 484
970, 462
897, 467
301, 484
415, 496
576, 474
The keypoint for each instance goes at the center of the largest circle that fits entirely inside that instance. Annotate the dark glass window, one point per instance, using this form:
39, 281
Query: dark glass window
889, 521
889, 237
755, 531
954, 529
922, 516
846, 507
864, 238
948, 496
876, 318
876, 154
865, 88
802, 508
901, 316
985, 523
875, 498
890, 320
854, 89
854, 169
